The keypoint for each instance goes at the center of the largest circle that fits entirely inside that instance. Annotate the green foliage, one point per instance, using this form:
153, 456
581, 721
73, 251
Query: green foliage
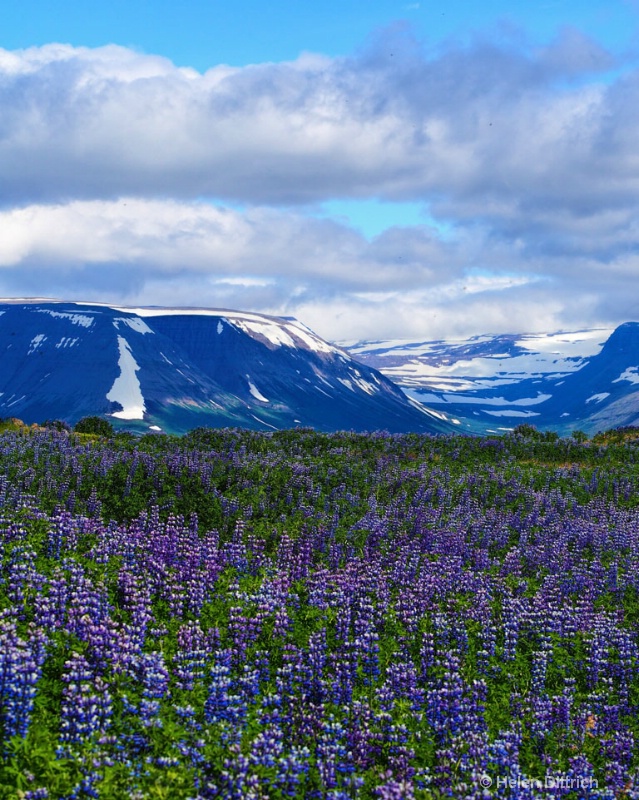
629, 433
259, 490
527, 430
95, 425
57, 425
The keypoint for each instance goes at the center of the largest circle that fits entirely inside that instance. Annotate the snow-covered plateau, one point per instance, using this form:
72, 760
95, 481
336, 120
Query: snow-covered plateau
562, 381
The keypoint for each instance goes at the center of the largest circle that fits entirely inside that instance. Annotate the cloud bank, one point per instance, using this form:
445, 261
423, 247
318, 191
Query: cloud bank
125, 178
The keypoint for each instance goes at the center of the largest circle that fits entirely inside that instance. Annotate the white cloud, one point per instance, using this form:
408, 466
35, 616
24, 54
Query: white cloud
405, 282
525, 159
470, 123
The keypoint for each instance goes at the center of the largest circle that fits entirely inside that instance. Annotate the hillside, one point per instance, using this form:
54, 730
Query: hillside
566, 381
177, 369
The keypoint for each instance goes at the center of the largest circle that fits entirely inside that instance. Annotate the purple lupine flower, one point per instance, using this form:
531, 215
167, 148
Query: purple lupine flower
292, 770
19, 674
192, 657
392, 789
86, 704
333, 758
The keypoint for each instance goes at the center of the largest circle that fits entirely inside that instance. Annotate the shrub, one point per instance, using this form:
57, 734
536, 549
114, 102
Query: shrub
57, 425
528, 431
96, 425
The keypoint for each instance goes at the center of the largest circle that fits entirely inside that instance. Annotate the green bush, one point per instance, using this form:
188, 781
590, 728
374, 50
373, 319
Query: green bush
95, 425
56, 425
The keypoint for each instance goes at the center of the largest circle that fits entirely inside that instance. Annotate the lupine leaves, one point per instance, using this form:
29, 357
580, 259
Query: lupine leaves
300, 615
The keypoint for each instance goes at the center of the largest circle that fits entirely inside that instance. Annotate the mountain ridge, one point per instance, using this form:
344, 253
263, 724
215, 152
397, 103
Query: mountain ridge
564, 381
174, 369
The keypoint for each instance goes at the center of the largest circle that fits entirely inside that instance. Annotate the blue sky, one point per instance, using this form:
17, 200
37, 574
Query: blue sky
400, 169
203, 33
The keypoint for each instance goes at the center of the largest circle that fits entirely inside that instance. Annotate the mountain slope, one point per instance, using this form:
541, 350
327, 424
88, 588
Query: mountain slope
175, 369
605, 392
586, 380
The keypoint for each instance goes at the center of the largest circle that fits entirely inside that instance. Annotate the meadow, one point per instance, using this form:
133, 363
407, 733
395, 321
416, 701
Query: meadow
242, 615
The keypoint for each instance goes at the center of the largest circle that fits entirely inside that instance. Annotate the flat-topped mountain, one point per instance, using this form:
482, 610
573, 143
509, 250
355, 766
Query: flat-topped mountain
176, 369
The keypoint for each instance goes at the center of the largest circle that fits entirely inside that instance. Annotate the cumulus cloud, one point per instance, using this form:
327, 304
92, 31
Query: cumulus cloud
276, 259
526, 154
468, 123
407, 281
165, 235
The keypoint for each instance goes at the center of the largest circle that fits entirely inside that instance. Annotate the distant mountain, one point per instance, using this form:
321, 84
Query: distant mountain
586, 380
605, 392
176, 369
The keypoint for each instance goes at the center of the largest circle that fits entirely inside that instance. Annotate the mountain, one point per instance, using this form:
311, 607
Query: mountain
605, 392
176, 369
480, 362
586, 380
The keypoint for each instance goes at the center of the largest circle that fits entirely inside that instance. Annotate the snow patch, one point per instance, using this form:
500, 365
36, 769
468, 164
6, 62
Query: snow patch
135, 323
161, 311
435, 414
277, 330
597, 398
312, 341
285, 331
76, 319
630, 375
425, 410
126, 388
255, 391
267, 330
367, 386
510, 413
35, 342
67, 341
447, 365
430, 397
268, 424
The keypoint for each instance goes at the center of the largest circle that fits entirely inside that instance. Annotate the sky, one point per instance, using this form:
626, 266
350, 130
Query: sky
396, 169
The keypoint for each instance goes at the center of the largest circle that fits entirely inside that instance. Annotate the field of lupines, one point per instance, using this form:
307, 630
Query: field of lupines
300, 615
